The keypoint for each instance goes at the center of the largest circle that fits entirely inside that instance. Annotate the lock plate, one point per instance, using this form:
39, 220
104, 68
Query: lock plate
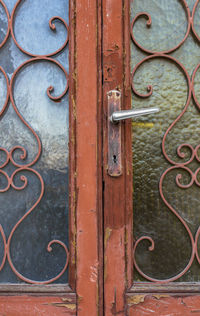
114, 135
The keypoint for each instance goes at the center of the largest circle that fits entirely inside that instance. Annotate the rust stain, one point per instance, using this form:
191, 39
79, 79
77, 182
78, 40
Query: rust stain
137, 299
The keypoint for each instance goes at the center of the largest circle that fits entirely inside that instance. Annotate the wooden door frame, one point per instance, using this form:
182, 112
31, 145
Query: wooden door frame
84, 296
88, 158
117, 190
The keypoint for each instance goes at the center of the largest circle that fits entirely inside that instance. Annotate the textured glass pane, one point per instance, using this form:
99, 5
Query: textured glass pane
34, 142
166, 198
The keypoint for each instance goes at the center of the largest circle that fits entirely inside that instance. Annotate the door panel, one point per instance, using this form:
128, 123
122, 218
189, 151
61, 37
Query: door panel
42, 111
151, 222
165, 200
114, 266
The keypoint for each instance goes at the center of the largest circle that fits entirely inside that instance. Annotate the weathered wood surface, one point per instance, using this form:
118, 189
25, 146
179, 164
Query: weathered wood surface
163, 304
37, 306
87, 158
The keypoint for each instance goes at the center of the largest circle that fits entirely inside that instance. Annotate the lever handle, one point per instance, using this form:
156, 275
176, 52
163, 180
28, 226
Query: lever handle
115, 115
126, 114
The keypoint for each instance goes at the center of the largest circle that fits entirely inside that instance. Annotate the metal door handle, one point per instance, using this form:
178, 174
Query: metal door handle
114, 130
126, 114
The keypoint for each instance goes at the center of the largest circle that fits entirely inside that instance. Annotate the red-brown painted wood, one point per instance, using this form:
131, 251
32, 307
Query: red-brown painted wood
167, 299
72, 147
11, 304
164, 305
87, 157
85, 178
114, 188
118, 205
128, 160
37, 306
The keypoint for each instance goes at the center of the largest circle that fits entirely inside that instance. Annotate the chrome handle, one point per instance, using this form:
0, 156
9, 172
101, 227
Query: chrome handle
115, 115
126, 114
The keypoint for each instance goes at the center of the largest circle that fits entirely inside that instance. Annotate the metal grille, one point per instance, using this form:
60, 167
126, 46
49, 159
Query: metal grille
182, 162
16, 158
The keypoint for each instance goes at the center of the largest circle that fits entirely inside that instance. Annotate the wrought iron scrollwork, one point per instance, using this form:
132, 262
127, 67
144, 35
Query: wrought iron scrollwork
9, 155
179, 166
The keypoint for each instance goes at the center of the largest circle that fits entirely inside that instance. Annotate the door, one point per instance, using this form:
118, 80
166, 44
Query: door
49, 181
151, 163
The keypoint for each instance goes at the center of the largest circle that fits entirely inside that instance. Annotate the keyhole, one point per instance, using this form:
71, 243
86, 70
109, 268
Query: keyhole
114, 158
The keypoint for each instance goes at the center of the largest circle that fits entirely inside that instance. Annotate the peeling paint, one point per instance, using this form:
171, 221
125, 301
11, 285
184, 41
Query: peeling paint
137, 299
94, 272
134, 300
105, 267
69, 306
166, 305
64, 299
159, 296
107, 235
73, 106
79, 299
108, 232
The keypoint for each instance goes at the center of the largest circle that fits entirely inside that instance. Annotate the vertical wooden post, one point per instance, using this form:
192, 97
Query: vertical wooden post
87, 172
114, 188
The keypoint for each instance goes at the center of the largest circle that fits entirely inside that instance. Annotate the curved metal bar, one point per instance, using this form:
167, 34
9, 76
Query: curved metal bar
149, 23
196, 153
49, 247
8, 92
193, 90
9, 155
8, 28
193, 251
5, 246
22, 178
54, 98
196, 244
192, 20
8, 181
150, 89
52, 27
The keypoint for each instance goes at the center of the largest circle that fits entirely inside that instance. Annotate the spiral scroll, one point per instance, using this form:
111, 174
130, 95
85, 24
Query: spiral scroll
178, 166
7, 156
